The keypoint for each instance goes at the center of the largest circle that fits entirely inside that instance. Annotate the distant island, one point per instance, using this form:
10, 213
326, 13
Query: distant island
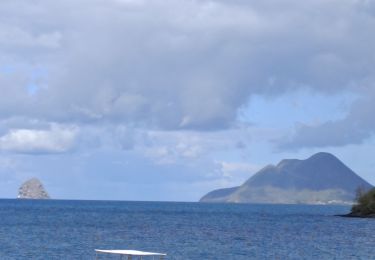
320, 179
32, 189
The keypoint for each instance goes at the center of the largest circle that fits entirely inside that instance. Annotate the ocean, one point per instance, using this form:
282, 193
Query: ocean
58, 229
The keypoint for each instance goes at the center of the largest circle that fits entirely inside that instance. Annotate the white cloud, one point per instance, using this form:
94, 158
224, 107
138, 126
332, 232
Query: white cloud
57, 139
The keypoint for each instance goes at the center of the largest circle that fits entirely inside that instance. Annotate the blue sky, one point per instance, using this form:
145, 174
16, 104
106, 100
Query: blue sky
167, 100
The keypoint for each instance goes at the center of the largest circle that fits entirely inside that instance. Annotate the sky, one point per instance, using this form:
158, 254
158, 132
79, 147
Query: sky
170, 99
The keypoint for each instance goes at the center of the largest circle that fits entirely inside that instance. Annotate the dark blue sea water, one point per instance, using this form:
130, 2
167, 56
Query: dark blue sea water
56, 229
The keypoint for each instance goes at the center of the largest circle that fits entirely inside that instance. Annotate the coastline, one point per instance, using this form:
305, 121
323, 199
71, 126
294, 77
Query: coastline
351, 215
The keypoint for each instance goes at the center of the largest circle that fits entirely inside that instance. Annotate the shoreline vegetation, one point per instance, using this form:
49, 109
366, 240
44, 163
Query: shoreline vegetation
365, 205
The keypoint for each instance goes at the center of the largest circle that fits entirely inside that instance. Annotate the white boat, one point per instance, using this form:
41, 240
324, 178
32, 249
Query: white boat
129, 253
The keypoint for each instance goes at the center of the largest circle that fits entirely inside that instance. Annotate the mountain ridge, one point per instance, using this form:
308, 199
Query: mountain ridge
320, 179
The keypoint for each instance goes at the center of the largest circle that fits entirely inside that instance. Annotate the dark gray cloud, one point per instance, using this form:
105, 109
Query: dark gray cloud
180, 64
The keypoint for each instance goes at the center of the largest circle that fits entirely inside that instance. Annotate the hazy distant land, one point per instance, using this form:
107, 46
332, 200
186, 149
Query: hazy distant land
320, 179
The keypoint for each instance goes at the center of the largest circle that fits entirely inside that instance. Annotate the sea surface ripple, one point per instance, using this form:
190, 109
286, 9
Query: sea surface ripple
58, 229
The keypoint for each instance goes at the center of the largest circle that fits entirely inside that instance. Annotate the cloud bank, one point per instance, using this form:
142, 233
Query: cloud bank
55, 140
162, 83
175, 64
